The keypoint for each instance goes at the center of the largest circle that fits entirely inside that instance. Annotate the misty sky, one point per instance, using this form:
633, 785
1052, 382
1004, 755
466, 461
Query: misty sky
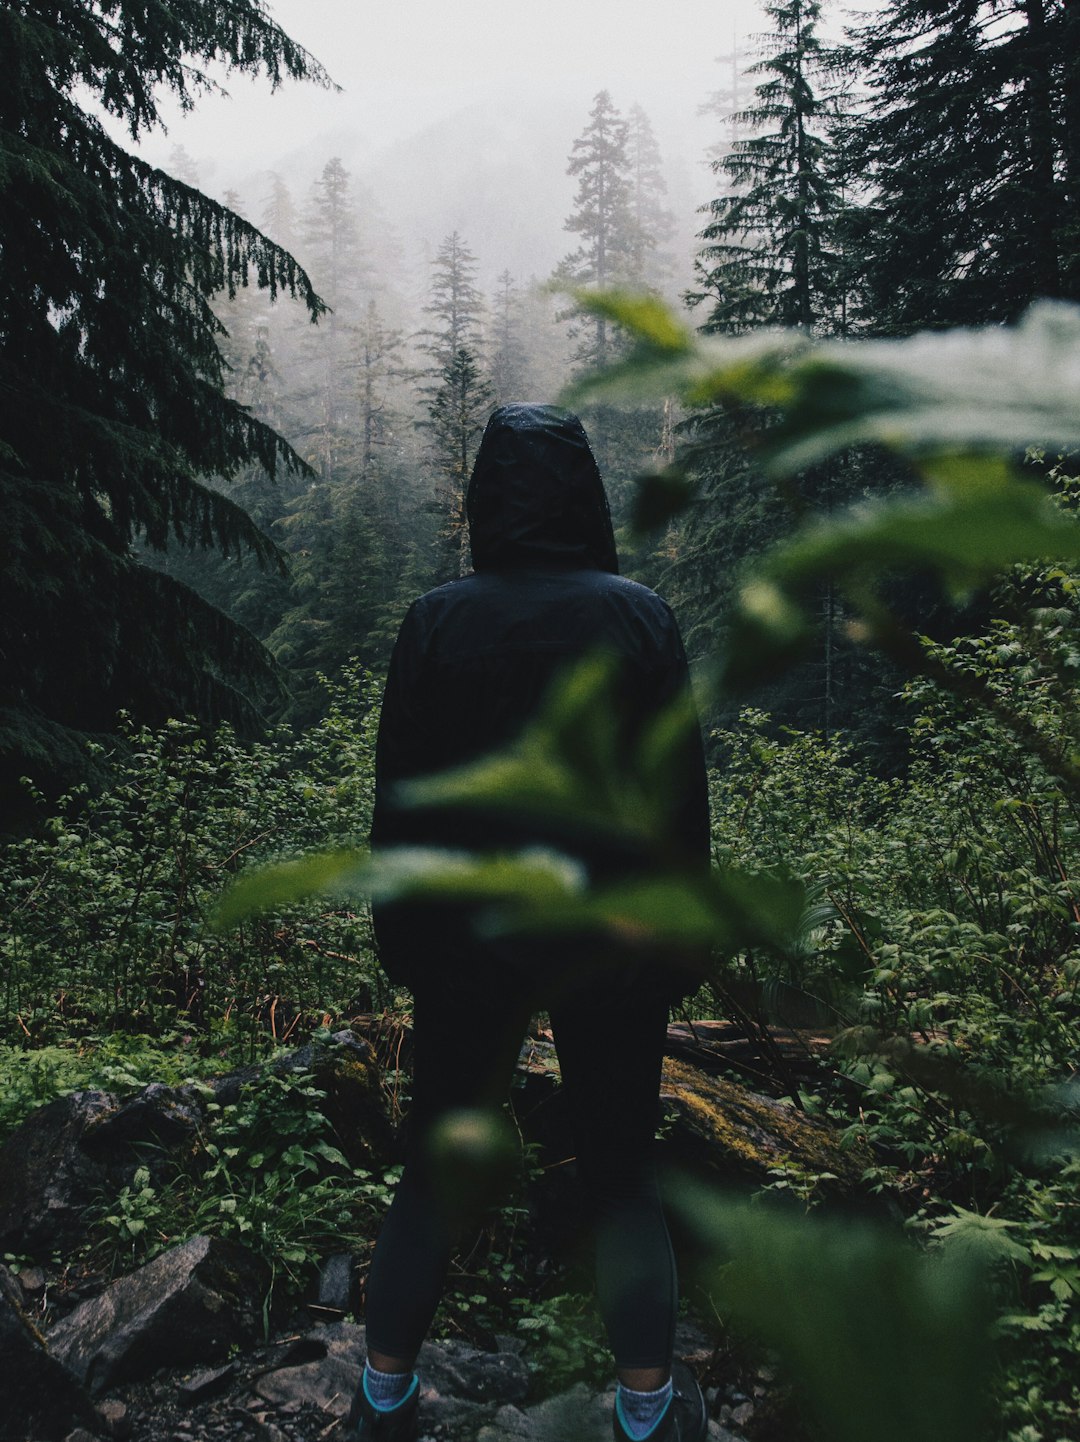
403, 64
461, 116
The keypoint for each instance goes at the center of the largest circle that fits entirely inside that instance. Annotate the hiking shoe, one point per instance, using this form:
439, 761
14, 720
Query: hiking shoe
368, 1424
685, 1419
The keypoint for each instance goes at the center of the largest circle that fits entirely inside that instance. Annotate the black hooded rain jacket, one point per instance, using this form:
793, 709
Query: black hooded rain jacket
475, 657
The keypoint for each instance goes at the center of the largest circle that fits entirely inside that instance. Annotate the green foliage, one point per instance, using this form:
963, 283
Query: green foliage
931, 917
106, 921
880, 1341
770, 253
948, 960
564, 1342
113, 374
118, 1061
603, 217
266, 1172
966, 146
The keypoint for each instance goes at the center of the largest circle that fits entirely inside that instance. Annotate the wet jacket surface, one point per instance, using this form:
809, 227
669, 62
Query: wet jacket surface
476, 656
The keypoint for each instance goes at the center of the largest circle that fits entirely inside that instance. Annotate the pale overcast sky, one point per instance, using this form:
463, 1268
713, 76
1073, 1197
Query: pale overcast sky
403, 64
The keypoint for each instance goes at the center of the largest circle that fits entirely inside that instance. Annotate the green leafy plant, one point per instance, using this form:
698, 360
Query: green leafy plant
267, 1172
565, 1342
106, 923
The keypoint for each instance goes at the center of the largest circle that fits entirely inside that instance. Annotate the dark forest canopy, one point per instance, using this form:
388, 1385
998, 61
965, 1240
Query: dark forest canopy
922, 173
113, 410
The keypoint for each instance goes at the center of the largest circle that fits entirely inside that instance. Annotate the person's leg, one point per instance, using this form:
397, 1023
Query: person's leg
610, 1057
465, 1042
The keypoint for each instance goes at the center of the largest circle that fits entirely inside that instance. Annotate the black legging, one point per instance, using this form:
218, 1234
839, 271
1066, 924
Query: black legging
465, 1042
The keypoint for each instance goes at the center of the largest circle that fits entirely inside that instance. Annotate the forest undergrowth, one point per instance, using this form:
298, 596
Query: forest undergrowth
941, 946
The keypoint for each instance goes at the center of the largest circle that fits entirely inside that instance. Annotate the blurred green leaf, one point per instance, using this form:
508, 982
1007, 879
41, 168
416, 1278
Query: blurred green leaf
883, 1341
990, 391
767, 632
474, 1155
687, 911
968, 527
270, 888
748, 368
535, 877
532, 877
646, 317
964, 535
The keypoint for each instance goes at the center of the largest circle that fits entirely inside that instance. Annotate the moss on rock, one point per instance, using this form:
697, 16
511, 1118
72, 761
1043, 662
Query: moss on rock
733, 1134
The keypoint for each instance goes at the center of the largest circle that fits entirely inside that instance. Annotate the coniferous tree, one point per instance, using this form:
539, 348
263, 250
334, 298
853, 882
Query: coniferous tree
335, 259
604, 219
279, 212
650, 265
111, 373
457, 393
774, 253
183, 167
509, 364
459, 409
455, 304
377, 366
768, 253
614, 252
970, 146
332, 246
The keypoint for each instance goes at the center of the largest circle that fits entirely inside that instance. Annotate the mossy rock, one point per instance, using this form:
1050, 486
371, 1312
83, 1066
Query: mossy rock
344, 1066
720, 1129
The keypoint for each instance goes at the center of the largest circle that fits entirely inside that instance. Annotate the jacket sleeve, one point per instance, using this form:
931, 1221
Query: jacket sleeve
690, 808
402, 746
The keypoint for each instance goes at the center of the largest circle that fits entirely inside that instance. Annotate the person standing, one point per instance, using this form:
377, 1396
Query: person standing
471, 666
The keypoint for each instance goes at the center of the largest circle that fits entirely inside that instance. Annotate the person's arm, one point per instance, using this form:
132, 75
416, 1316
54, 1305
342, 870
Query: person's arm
690, 813
402, 746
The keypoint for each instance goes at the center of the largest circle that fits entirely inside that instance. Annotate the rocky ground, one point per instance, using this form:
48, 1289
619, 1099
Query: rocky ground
298, 1387
176, 1350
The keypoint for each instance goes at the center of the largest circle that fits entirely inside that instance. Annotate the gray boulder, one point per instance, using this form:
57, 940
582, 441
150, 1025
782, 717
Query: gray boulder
579, 1413
187, 1306
462, 1387
339, 1289
67, 1153
40, 1398
48, 1177
326, 1379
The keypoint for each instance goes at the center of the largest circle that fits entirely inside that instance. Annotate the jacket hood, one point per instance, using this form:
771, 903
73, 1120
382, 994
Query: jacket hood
535, 497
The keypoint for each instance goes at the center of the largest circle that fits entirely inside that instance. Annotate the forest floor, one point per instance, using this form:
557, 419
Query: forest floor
297, 1387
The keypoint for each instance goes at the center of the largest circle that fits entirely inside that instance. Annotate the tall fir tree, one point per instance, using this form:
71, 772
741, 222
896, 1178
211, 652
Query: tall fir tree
457, 393
614, 252
113, 407
378, 368
776, 252
334, 255
459, 408
603, 217
971, 147
509, 363
455, 304
768, 252
279, 212
650, 263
